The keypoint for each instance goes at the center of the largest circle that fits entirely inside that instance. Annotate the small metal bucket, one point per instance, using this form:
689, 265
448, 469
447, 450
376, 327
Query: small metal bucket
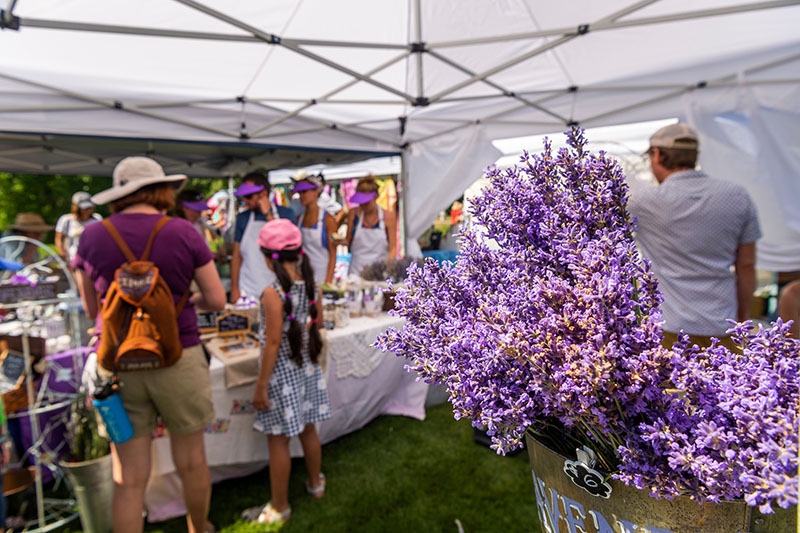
93, 483
565, 507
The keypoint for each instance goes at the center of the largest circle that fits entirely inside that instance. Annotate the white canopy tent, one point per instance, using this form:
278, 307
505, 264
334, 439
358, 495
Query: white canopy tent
222, 86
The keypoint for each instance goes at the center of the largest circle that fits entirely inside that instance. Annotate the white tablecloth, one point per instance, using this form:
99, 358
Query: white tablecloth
362, 384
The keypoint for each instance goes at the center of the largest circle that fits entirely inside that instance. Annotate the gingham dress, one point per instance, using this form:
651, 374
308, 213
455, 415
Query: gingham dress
298, 396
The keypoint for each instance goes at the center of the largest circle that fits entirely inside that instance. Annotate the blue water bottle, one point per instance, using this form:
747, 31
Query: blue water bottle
108, 402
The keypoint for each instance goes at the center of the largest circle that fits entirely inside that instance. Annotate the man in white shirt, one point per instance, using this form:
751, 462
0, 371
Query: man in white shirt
700, 234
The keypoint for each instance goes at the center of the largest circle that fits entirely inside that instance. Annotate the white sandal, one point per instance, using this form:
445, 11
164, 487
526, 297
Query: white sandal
269, 515
319, 491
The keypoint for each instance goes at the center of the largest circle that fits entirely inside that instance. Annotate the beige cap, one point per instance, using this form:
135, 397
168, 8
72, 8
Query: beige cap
678, 136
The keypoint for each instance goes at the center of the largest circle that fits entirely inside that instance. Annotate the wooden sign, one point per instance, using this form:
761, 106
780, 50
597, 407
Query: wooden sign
13, 367
207, 321
12, 379
44, 290
36, 345
233, 324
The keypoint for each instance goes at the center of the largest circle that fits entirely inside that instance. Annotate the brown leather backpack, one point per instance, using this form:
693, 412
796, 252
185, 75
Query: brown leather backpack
140, 326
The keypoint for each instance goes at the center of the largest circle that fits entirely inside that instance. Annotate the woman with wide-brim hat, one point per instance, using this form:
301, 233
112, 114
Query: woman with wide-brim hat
371, 230
32, 226
179, 394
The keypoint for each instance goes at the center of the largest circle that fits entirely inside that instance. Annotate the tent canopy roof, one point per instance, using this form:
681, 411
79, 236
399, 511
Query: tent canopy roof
229, 86
361, 76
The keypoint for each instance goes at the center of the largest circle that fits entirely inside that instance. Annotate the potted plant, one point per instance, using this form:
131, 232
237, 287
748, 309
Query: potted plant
87, 464
548, 327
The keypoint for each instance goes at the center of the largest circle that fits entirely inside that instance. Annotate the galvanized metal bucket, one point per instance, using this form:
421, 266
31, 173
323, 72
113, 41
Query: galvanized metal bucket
612, 506
93, 484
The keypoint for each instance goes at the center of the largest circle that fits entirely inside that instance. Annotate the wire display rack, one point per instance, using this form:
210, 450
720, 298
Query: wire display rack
44, 403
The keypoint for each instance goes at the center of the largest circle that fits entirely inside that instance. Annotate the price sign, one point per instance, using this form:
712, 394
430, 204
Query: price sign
13, 366
233, 324
207, 321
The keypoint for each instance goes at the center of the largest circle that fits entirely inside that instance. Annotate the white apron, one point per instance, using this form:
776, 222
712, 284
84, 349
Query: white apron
369, 245
254, 275
316, 252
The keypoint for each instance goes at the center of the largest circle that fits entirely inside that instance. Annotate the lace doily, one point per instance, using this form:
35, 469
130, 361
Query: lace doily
352, 352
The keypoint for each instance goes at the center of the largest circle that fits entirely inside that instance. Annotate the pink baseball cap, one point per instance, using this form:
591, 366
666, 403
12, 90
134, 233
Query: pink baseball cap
362, 197
280, 234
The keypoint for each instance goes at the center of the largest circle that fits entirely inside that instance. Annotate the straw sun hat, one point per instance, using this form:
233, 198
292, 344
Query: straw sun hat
30, 223
133, 173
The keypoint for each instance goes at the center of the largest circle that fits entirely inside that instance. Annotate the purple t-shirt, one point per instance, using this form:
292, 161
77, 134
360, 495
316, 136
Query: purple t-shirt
177, 251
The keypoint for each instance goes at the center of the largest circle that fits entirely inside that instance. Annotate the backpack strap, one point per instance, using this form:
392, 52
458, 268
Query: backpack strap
119, 240
123, 246
182, 301
160, 224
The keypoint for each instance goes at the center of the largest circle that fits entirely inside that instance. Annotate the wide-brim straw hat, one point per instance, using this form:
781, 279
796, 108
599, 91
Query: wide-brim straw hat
30, 222
133, 173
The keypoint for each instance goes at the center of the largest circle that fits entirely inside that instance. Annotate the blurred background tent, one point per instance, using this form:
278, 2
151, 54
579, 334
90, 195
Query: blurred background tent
215, 88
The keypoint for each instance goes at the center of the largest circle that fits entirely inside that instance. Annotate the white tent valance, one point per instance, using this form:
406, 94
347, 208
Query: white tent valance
219, 87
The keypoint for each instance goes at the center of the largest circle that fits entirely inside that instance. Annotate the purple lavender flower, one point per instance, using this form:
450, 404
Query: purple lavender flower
731, 430
549, 322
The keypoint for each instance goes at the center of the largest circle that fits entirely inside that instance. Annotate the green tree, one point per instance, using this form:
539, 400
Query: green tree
49, 196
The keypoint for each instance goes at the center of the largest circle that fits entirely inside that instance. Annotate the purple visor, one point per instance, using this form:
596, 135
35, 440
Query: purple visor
246, 189
360, 198
304, 186
195, 206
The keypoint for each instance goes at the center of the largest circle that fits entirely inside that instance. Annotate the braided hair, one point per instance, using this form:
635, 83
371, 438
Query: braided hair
295, 333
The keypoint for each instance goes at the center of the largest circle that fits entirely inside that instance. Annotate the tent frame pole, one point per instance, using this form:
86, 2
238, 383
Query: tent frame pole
274, 39
603, 26
402, 196
566, 37
326, 97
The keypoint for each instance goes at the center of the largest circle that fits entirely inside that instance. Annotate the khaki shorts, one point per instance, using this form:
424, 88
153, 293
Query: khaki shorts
700, 340
179, 394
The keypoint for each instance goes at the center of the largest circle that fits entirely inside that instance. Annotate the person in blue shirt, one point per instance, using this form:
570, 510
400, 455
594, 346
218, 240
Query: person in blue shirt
249, 273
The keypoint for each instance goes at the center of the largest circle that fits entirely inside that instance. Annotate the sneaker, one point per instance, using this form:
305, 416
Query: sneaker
319, 491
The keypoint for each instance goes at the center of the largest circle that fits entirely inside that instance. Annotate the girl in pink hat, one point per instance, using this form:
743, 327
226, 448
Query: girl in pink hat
290, 394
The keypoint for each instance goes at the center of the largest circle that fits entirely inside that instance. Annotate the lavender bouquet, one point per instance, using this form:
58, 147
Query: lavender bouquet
549, 323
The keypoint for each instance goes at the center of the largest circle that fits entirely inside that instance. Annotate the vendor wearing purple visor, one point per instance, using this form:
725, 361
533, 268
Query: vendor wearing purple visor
371, 230
249, 272
191, 205
317, 226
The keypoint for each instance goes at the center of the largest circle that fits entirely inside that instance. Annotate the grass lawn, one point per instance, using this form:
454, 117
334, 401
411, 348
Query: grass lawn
396, 474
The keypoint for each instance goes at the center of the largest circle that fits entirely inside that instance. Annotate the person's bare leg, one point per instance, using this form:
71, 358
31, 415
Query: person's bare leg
312, 453
789, 306
189, 456
280, 467
131, 467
